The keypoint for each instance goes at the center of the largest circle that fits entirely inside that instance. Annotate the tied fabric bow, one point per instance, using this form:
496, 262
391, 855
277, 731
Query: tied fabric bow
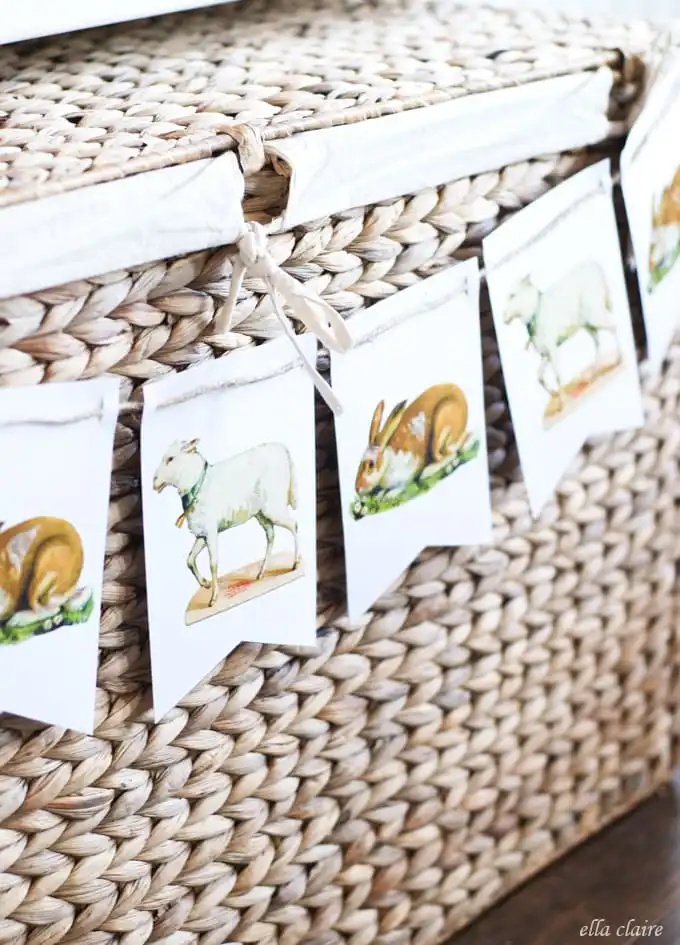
316, 315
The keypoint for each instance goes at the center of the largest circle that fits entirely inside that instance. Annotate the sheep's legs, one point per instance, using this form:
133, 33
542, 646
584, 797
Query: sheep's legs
269, 532
285, 520
595, 330
541, 375
550, 360
198, 547
211, 545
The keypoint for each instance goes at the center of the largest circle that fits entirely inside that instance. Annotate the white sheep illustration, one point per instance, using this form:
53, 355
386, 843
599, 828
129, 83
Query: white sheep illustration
579, 301
258, 483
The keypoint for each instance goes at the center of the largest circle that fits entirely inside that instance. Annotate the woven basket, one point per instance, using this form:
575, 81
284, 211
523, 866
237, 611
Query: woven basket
497, 706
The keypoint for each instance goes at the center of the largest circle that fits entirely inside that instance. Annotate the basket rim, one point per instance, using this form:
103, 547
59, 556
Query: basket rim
89, 108
191, 207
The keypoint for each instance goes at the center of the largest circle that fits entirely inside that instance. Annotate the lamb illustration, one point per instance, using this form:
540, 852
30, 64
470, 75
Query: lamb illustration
579, 301
414, 437
665, 243
258, 483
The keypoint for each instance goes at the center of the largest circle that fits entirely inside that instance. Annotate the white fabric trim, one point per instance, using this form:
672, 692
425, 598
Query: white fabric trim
339, 168
120, 224
30, 19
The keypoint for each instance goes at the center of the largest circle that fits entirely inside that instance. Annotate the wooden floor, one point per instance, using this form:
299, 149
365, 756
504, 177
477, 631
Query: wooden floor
628, 876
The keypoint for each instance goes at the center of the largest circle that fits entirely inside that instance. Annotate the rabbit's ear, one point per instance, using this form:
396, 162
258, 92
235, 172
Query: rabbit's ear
392, 423
375, 423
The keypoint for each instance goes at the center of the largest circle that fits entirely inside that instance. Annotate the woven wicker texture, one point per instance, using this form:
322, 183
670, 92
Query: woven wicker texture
102, 104
497, 707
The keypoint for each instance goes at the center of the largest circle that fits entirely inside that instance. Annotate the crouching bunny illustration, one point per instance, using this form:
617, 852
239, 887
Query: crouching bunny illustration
41, 563
258, 483
665, 243
415, 438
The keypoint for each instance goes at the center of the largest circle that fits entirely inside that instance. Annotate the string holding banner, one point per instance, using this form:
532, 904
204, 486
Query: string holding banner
317, 316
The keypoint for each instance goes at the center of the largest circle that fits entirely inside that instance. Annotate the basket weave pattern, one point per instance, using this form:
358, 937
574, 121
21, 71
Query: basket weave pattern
498, 705
495, 708
108, 103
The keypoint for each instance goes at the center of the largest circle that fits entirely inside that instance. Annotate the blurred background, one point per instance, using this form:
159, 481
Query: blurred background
649, 9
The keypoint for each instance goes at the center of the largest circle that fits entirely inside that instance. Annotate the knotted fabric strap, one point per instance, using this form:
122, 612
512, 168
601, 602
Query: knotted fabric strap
316, 315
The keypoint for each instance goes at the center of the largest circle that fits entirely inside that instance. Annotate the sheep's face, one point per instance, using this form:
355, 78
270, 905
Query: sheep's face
522, 303
181, 467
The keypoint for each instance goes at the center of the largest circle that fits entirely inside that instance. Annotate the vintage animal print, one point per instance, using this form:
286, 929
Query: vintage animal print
665, 243
256, 484
579, 301
41, 561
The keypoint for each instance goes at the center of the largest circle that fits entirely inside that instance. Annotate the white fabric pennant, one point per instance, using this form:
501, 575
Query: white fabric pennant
650, 181
411, 440
560, 308
57, 447
229, 504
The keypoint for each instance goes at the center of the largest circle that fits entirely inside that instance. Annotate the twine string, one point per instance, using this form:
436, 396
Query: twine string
228, 383
409, 313
95, 413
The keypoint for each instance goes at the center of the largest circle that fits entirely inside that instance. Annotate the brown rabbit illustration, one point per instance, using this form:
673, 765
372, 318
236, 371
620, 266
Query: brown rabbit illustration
426, 432
40, 564
666, 225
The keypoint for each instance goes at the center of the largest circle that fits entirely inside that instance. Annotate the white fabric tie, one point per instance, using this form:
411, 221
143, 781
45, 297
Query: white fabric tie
316, 315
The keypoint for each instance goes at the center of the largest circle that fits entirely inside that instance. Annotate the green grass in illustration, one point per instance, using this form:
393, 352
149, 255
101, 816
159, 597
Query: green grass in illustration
24, 625
382, 500
658, 274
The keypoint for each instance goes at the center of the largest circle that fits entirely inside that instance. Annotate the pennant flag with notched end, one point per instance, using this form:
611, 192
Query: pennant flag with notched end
56, 442
411, 440
650, 181
229, 504
562, 319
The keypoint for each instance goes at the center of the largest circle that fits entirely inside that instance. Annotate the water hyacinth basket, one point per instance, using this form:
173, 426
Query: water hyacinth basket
498, 705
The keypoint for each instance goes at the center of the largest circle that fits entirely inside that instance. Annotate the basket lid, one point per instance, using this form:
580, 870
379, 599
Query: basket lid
160, 114
108, 103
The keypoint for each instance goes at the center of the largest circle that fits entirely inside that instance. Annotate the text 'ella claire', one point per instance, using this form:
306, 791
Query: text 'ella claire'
633, 928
